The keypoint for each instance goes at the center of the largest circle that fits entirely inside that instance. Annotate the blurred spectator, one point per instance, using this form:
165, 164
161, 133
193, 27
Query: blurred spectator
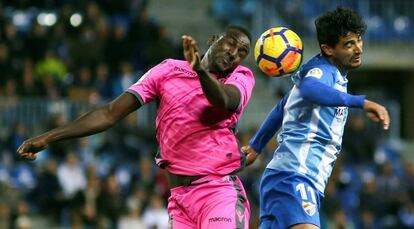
17, 136
358, 144
85, 209
29, 86
5, 216
370, 204
21, 217
138, 199
156, 215
103, 81
6, 68
409, 176
406, 215
391, 190
53, 66
119, 48
86, 152
87, 49
132, 220
15, 44
71, 176
48, 195
126, 78
82, 88
110, 202
145, 176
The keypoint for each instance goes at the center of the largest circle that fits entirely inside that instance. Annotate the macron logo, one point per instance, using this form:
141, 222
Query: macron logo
185, 71
219, 219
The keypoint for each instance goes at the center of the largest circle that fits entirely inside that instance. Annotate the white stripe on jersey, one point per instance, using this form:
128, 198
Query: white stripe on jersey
325, 166
304, 149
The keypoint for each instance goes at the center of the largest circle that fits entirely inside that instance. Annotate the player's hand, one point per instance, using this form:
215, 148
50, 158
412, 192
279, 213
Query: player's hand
191, 53
251, 154
28, 149
377, 113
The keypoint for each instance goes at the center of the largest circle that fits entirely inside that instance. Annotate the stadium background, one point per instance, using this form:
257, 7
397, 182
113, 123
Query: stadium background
59, 59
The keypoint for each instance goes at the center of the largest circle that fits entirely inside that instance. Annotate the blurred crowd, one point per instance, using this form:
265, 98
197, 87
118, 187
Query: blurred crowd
92, 51
77, 50
386, 20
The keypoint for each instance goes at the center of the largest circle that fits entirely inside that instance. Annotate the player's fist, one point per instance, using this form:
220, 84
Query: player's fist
251, 154
29, 148
377, 113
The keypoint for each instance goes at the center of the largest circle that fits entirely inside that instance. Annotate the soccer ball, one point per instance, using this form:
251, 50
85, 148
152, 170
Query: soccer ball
278, 51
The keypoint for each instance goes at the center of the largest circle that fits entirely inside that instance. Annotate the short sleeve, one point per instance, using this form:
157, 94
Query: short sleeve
244, 81
147, 88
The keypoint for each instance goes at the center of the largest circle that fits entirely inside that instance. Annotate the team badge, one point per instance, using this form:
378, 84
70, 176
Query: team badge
315, 72
309, 208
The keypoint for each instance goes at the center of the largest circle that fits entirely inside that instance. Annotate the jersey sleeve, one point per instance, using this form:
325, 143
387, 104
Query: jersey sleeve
147, 88
269, 127
321, 74
319, 93
244, 81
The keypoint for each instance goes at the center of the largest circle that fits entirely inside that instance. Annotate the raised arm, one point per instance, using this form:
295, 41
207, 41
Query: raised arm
218, 94
90, 123
316, 92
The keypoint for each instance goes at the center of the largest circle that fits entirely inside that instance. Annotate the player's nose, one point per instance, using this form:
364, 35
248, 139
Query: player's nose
358, 49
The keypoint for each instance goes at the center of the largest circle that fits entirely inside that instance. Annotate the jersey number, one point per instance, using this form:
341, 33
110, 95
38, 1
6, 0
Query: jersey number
305, 192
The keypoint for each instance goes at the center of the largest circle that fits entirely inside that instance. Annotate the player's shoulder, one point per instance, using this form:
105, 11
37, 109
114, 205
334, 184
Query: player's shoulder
240, 69
318, 66
171, 62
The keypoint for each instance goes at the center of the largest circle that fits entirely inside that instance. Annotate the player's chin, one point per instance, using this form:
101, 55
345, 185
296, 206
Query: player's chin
355, 64
222, 67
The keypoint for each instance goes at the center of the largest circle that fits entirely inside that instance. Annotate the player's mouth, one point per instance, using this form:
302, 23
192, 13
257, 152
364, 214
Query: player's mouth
226, 63
357, 59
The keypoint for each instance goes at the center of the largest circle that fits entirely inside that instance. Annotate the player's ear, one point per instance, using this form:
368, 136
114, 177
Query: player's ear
212, 39
327, 50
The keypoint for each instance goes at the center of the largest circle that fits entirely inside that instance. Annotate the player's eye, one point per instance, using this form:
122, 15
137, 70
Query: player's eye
242, 52
348, 45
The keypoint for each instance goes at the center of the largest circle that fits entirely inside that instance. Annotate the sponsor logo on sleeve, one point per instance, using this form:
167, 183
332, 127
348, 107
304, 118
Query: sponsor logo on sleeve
314, 72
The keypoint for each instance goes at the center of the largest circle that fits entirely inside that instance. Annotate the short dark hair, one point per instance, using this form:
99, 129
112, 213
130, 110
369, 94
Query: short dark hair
337, 23
240, 29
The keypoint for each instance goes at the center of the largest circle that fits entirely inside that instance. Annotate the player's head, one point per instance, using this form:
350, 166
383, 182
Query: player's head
228, 50
339, 35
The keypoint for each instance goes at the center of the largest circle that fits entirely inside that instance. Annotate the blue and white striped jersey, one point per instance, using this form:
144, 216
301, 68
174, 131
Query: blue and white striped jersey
311, 135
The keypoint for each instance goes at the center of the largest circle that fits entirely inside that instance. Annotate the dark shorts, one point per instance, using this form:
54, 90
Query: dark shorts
287, 199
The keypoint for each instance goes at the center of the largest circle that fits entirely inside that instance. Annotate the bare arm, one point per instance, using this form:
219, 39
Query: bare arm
90, 123
218, 94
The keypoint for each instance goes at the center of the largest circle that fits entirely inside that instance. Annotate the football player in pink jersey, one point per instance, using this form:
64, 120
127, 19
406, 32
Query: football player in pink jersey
200, 101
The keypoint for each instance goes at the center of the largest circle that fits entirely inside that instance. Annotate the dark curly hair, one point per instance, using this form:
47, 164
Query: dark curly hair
334, 24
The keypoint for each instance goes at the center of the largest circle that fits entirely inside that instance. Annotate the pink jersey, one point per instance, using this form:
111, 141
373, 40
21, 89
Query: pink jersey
194, 137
